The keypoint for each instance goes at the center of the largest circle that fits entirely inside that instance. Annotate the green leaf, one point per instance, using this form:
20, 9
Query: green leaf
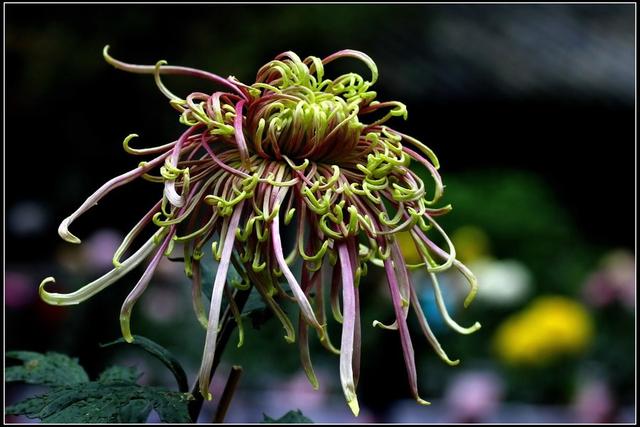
162, 354
119, 374
291, 417
136, 411
48, 369
172, 407
254, 302
99, 402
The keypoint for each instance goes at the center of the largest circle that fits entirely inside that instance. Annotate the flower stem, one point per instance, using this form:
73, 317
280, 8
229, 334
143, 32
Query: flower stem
227, 394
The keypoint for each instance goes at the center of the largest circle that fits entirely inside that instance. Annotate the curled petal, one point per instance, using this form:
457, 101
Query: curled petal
161, 86
172, 195
63, 229
143, 151
445, 313
463, 269
355, 54
424, 325
133, 233
171, 70
96, 286
242, 144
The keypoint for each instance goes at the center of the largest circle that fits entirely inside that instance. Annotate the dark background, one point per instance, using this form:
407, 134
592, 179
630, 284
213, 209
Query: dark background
502, 94
531, 87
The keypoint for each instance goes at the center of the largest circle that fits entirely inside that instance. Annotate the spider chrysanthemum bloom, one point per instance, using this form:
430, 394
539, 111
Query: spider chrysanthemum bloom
299, 149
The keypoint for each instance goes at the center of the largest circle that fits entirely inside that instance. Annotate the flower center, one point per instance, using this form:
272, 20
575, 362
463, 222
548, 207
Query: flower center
300, 114
302, 124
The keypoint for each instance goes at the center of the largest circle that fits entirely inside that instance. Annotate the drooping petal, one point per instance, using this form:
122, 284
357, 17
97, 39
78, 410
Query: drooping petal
97, 285
348, 329
196, 295
303, 329
216, 301
303, 302
357, 338
335, 294
325, 340
139, 288
305, 357
424, 325
258, 283
128, 239
357, 332
405, 338
402, 274
235, 311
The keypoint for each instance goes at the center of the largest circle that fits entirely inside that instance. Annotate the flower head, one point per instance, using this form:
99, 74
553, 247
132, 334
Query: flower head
294, 149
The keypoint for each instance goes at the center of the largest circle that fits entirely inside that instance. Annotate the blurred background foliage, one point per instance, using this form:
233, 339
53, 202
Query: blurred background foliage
530, 109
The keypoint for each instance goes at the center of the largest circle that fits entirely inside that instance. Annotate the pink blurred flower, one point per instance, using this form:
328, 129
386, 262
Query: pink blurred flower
594, 403
18, 290
99, 249
615, 280
474, 395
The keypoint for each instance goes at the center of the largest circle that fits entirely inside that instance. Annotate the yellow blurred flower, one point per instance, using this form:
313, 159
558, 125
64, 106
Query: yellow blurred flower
408, 248
551, 326
471, 243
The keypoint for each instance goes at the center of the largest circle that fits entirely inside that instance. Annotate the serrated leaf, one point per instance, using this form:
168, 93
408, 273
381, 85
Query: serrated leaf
169, 408
119, 374
162, 354
98, 402
30, 407
136, 411
91, 410
48, 369
291, 417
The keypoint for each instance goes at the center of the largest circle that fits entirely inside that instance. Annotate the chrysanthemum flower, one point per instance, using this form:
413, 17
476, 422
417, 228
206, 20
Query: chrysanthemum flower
293, 149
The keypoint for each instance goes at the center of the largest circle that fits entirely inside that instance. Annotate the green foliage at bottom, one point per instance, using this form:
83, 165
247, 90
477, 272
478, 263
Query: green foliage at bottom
291, 417
114, 398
